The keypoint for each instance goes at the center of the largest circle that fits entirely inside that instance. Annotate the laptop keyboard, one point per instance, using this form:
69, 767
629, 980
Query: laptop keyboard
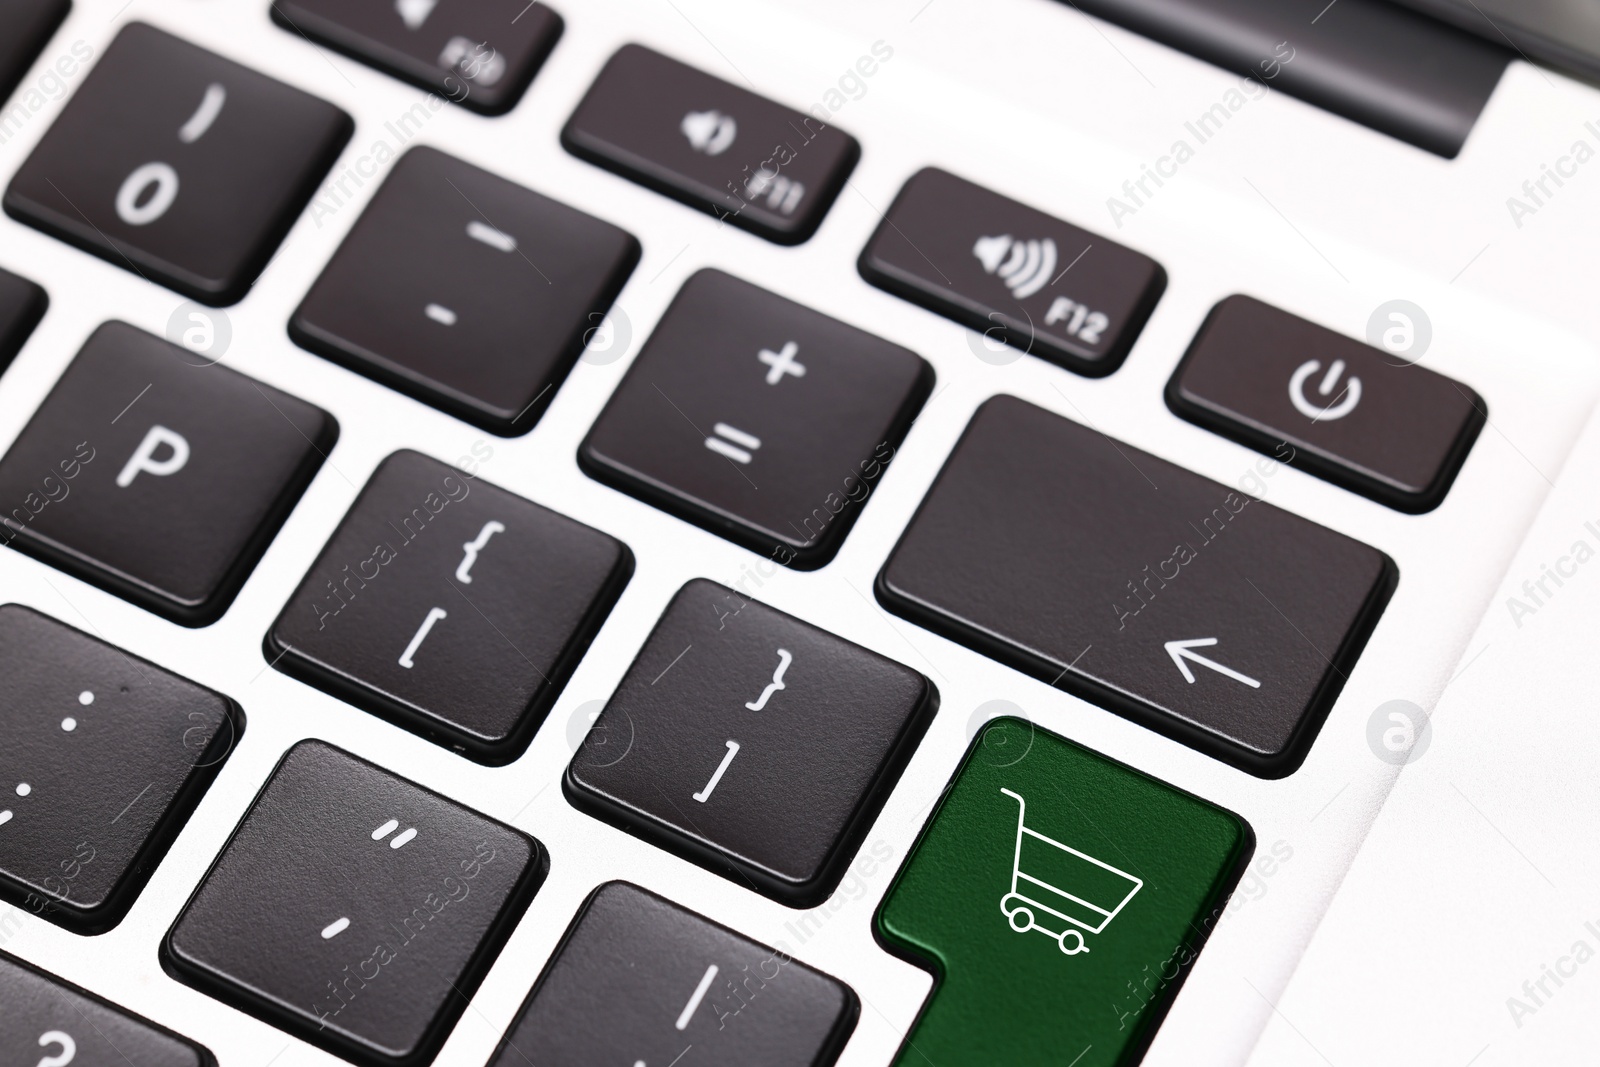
749, 750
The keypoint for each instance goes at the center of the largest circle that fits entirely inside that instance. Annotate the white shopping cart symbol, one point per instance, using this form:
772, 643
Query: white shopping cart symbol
1041, 866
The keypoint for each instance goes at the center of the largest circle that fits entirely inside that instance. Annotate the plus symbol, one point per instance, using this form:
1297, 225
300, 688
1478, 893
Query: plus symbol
782, 363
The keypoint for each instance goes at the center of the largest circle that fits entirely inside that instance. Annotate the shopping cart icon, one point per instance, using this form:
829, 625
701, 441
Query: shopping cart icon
1040, 867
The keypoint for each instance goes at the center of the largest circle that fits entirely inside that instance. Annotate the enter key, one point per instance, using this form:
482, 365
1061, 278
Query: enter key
1060, 899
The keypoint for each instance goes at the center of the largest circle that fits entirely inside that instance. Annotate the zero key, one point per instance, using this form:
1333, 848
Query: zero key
1353, 414
178, 164
1061, 899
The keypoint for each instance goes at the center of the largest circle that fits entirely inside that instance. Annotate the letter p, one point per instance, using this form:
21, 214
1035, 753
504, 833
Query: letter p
143, 458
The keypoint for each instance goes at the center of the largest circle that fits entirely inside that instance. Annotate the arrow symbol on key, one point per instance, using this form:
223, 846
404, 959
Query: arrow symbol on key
1181, 651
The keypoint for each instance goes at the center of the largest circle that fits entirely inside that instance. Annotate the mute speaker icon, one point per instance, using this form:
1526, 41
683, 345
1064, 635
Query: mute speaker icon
1025, 266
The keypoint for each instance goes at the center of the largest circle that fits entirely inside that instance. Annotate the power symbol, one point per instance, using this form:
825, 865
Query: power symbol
1339, 407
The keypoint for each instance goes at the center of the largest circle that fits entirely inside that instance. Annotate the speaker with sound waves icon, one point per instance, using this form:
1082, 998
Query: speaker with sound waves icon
1025, 266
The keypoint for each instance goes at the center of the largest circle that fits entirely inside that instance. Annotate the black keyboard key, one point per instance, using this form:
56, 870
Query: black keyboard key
1016, 274
105, 757
466, 291
712, 145
22, 305
1176, 601
52, 1024
639, 980
354, 909
758, 419
157, 479
25, 28
1345, 411
450, 606
178, 164
479, 53
731, 708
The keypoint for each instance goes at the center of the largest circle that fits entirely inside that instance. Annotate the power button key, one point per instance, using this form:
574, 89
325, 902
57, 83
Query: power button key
1355, 415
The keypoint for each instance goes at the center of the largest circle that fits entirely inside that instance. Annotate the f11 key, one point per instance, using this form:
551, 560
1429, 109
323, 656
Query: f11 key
1353, 414
747, 160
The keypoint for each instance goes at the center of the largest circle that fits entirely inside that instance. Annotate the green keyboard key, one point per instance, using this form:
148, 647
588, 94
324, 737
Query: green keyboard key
1059, 899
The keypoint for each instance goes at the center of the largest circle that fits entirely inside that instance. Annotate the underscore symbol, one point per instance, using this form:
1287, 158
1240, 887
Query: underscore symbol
699, 994
722, 768
782, 362
434, 615
1026, 270
784, 659
472, 548
733, 443
1180, 651
1339, 407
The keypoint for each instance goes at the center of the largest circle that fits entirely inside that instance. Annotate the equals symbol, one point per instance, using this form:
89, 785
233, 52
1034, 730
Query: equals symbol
733, 443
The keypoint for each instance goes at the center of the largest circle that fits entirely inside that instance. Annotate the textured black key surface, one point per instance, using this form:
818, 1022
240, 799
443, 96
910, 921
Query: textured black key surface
22, 305
180, 165
48, 1021
480, 53
156, 478
25, 27
450, 606
105, 757
1346, 411
354, 909
712, 145
751, 742
758, 419
466, 291
1176, 601
1016, 274
640, 980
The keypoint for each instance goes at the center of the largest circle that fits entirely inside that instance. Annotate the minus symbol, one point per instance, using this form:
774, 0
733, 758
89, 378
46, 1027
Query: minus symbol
440, 314
490, 236
335, 928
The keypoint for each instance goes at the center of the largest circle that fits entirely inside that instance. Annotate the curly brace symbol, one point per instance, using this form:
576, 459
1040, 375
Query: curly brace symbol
784, 659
